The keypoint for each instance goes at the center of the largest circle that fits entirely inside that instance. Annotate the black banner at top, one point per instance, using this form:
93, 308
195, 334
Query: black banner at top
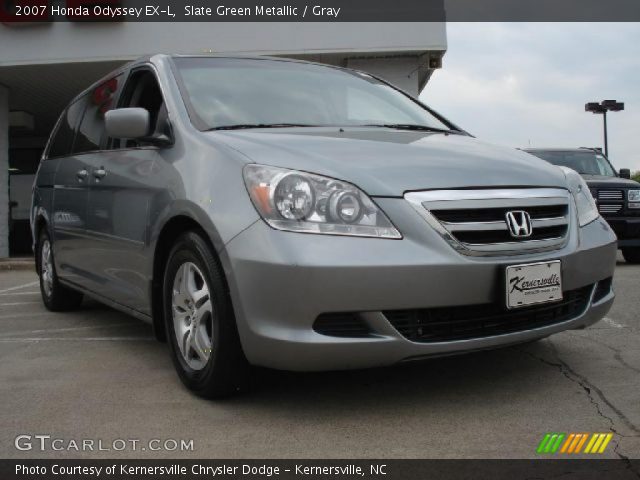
29, 11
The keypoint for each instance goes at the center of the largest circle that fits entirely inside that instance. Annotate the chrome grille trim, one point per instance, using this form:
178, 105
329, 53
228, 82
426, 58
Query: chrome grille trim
608, 208
610, 195
477, 226
515, 248
501, 225
549, 222
428, 203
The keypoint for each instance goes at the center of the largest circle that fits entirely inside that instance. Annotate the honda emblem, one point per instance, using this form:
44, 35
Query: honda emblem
519, 223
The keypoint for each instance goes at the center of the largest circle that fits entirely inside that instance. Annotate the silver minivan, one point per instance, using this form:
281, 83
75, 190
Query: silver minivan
273, 212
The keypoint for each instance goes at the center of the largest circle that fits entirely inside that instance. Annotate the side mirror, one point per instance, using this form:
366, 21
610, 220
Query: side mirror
127, 123
625, 173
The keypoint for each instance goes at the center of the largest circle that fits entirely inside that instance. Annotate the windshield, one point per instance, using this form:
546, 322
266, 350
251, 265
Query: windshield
586, 162
226, 92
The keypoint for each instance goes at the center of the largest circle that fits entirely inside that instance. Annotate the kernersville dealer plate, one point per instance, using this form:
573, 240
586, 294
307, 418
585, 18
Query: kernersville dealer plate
533, 283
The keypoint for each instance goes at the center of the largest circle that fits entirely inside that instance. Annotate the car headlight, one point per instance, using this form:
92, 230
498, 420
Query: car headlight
634, 198
306, 202
585, 204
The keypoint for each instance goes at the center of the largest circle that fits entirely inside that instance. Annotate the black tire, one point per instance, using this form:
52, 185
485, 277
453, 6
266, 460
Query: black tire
226, 370
631, 255
55, 296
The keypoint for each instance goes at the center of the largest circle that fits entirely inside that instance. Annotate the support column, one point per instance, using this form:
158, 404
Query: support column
403, 72
4, 172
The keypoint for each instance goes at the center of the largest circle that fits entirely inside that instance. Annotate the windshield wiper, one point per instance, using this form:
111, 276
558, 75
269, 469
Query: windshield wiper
243, 126
411, 126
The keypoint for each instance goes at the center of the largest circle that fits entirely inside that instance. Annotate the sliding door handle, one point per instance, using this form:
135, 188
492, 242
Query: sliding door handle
99, 173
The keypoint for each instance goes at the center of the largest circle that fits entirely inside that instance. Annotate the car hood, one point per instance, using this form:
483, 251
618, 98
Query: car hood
388, 162
598, 181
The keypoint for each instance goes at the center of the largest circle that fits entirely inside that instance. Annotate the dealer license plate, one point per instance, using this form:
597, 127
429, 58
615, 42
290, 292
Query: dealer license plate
533, 283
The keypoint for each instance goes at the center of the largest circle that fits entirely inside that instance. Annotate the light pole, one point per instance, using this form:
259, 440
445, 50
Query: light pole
602, 108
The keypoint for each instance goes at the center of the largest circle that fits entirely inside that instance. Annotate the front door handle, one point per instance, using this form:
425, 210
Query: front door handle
99, 173
82, 174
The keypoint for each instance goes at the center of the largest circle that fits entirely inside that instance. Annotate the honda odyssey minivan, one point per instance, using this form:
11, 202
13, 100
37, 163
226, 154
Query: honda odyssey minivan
286, 214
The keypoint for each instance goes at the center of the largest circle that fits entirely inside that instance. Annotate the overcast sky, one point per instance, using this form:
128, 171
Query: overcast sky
521, 84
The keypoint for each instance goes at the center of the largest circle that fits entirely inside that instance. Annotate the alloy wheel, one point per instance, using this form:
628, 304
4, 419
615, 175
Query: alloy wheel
46, 268
192, 312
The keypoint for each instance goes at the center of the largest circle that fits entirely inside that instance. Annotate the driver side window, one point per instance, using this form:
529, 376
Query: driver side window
142, 90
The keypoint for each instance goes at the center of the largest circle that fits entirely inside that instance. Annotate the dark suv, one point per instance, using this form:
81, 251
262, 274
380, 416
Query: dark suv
617, 195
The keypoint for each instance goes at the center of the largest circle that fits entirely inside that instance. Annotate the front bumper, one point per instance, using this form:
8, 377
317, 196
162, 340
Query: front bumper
280, 282
627, 229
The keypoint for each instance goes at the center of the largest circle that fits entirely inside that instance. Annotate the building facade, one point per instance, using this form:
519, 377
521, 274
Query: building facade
43, 66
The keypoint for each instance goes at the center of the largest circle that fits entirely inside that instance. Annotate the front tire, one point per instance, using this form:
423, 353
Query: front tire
201, 327
55, 296
631, 255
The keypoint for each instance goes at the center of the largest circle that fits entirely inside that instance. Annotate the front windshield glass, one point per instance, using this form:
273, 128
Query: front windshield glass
585, 163
224, 92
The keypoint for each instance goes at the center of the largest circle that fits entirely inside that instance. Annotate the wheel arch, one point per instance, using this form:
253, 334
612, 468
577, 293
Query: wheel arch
40, 223
172, 228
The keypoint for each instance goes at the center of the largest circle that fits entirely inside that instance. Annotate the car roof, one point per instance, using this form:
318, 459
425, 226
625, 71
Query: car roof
261, 58
243, 57
149, 59
547, 149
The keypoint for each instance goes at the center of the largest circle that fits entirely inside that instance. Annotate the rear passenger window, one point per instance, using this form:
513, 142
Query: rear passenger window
63, 137
97, 103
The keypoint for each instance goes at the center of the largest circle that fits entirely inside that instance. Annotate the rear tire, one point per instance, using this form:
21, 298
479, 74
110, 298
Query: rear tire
55, 296
201, 327
631, 255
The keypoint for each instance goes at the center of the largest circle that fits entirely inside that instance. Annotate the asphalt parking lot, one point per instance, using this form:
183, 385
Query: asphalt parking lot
97, 374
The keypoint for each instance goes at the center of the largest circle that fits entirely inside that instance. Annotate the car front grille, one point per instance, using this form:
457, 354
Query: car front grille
610, 195
483, 237
486, 320
474, 221
609, 208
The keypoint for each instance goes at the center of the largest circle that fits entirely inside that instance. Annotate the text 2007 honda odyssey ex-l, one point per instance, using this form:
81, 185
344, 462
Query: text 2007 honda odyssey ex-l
298, 216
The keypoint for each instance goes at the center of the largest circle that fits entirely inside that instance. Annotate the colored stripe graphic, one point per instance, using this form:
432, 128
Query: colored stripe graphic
596, 445
605, 443
556, 445
550, 443
543, 443
591, 442
572, 443
582, 441
599, 442
552, 440
567, 443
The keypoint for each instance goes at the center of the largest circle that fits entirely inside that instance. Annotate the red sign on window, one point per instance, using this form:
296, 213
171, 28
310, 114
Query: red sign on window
103, 95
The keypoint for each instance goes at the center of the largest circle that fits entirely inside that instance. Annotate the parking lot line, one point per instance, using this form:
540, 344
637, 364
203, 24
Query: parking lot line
17, 303
35, 292
62, 330
77, 339
18, 287
21, 315
612, 322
